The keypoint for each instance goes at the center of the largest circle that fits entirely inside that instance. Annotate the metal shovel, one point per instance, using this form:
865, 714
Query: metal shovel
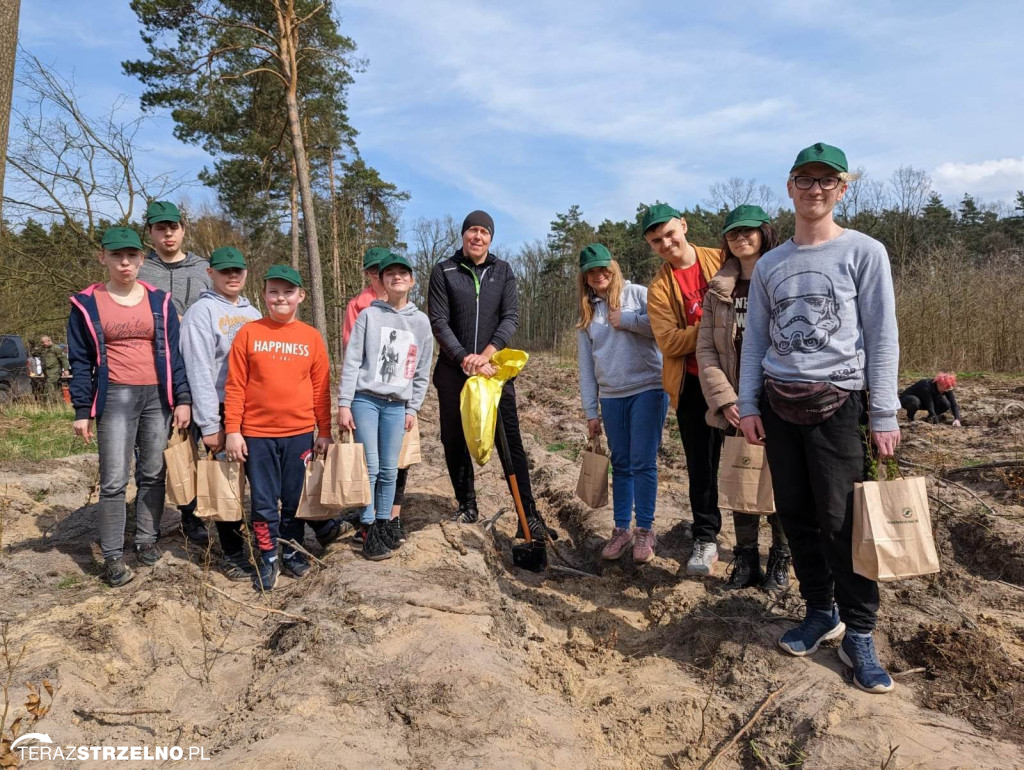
533, 554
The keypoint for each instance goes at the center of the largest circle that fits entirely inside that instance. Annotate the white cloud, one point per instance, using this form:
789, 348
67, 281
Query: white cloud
997, 178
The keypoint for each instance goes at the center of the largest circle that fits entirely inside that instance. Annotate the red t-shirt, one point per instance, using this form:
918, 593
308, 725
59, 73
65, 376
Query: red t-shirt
129, 333
694, 286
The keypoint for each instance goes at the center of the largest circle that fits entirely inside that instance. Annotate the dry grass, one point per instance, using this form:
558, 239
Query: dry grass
960, 316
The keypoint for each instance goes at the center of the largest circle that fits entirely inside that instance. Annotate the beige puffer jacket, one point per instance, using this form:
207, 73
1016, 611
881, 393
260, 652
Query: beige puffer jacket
716, 344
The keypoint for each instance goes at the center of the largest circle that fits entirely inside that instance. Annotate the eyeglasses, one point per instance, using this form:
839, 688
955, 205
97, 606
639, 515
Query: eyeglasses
825, 182
746, 233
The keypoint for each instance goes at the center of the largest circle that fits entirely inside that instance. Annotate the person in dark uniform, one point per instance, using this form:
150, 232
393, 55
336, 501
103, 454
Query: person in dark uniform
55, 364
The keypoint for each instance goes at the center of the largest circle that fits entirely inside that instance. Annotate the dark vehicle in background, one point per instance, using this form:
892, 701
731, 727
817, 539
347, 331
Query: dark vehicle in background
14, 379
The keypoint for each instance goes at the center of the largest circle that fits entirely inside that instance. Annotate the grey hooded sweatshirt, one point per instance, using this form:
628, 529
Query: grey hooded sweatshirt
388, 355
185, 281
617, 363
207, 331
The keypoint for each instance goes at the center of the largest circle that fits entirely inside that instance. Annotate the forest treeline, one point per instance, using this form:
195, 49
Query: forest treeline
958, 271
262, 86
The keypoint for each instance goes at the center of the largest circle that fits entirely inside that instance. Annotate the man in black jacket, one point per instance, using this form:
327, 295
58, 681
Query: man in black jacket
474, 310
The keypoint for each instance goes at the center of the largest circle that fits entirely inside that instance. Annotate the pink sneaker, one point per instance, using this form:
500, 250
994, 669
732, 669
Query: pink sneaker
643, 545
621, 540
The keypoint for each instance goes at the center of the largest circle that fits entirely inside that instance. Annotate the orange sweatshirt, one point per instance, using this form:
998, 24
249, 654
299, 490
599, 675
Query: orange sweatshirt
278, 381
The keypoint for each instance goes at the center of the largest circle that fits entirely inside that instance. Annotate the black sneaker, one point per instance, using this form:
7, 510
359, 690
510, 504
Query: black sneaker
777, 571
147, 554
194, 529
538, 529
746, 569
118, 573
389, 535
398, 530
236, 567
467, 513
376, 546
267, 570
295, 563
332, 532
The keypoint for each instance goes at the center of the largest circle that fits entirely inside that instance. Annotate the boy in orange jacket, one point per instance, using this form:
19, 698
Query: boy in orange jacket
277, 392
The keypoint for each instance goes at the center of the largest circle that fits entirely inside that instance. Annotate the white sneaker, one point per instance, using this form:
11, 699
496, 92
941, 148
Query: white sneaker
703, 558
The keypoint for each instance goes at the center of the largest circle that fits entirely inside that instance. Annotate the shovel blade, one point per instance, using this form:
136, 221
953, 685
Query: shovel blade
530, 556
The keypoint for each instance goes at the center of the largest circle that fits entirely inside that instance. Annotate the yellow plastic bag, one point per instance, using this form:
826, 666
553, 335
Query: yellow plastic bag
479, 402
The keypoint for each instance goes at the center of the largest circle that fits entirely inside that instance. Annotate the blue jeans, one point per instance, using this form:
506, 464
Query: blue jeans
634, 425
133, 416
380, 428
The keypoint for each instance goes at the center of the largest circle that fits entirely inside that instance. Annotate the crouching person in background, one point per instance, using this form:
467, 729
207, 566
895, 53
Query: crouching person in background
934, 396
127, 374
277, 392
383, 384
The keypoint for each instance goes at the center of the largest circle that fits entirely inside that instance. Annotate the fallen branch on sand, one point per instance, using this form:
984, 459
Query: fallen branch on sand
572, 571
448, 609
984, 466
118, 712
968, 491
910, 671
255, 608
732, 741
1009, 585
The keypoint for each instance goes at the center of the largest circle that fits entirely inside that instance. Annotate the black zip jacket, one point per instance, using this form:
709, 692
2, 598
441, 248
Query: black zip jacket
472, 306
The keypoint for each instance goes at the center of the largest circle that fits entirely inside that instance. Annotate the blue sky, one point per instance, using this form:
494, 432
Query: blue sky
526, 108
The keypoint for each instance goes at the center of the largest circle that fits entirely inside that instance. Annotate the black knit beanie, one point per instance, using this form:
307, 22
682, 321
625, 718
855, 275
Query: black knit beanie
478, 218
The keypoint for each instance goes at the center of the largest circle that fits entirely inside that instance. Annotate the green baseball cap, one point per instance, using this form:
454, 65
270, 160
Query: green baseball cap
115, 238
393, 259
285, 273
821, 153
745, 216
658, 214
594, 255
225, 257
373, 256
162, 211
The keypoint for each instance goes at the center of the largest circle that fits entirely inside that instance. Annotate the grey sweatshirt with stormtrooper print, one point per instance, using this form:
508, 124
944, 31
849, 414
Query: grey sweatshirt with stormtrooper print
824, 313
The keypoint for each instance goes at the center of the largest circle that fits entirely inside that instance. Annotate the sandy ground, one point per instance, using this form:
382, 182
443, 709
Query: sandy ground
448, 656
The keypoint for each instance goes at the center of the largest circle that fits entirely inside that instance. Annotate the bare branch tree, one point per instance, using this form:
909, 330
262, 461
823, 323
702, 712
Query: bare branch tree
70, 166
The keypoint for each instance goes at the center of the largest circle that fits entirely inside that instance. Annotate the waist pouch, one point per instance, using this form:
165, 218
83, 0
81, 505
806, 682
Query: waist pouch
804, 403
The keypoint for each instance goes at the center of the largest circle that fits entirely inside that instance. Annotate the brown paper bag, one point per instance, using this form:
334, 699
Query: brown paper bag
181, 457
310, 506
410, 453
592, 487
744, 481
892, 530
221, 490
346, 480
